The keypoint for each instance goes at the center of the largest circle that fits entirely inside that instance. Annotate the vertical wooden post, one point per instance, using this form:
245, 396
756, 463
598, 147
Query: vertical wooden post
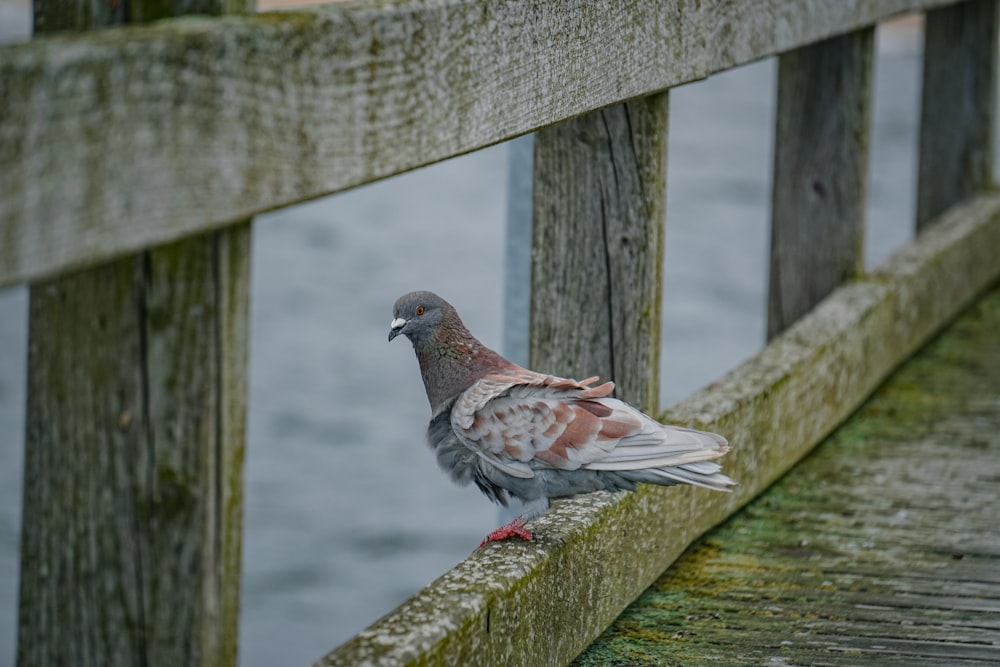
820, 170
599, 206
130, 550
958, 105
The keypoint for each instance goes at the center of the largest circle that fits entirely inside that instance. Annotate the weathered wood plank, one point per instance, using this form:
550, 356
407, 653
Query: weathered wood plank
958, 105
132, 509
232, 267
137, 378
195, 327
820, 173
85, 404
599, 204
137, 136
802, 576
512, 602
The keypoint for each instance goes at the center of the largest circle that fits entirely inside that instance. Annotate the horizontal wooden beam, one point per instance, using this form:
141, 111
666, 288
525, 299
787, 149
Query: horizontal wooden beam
133, 137
541, 603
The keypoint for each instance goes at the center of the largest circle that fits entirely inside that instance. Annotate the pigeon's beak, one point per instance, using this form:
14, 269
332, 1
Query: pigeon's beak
396, 327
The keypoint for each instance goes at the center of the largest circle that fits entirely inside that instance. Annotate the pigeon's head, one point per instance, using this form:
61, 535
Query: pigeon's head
418, 315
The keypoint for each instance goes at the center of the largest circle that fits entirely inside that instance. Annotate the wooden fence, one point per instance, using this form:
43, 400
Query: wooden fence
132, 158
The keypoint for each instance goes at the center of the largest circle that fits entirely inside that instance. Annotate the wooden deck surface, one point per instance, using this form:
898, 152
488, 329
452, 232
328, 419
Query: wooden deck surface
882, 547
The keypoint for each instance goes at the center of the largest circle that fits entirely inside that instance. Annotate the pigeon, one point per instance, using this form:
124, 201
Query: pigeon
517, 433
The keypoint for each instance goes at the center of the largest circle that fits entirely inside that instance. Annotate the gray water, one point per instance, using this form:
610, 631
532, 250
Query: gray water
346, 512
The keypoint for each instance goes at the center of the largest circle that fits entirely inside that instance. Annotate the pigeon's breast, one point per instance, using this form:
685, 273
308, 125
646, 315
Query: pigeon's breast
453, 457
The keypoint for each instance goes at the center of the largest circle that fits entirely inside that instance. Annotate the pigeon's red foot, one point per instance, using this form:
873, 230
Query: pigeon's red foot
512, 529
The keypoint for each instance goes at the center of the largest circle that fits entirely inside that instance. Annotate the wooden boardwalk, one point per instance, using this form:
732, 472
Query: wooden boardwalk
140, 297
882, 547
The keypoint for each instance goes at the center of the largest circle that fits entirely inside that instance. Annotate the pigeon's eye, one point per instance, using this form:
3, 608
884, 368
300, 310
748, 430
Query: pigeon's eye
420, 310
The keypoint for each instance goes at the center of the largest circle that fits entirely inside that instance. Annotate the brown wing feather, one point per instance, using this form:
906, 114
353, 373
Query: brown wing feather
521, 416
521, 419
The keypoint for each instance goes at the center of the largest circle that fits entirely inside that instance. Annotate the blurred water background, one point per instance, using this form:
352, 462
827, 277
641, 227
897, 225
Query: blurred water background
346, 512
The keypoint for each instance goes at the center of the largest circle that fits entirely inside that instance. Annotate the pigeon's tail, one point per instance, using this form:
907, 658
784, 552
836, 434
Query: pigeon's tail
706, 474
667, 455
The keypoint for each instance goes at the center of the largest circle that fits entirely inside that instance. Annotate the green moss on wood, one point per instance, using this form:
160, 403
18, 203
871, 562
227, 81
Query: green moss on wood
829, 537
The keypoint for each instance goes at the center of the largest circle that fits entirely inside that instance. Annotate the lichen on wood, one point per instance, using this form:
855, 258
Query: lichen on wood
132, 137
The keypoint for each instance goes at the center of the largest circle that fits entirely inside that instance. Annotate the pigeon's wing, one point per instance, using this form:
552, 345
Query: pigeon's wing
523, 419
502, 428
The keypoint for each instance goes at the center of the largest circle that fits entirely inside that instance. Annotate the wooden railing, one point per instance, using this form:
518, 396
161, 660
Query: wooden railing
131, 158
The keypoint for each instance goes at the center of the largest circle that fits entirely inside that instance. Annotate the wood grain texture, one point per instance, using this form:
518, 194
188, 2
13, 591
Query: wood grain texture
541, 603
137, 136
136, 410
232, 282
81, 546
134, 456
958, 105
865, 553
599, 204
820, 173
